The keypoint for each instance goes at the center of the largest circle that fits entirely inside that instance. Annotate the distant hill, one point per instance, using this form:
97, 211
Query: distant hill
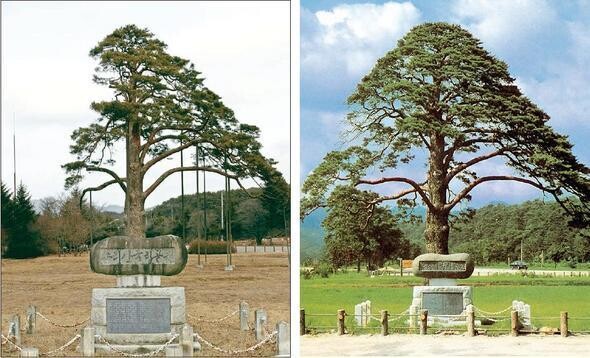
113, 209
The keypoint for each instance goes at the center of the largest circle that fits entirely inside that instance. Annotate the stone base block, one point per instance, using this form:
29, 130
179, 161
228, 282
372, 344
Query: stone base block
442, 300
229, 268
139, 315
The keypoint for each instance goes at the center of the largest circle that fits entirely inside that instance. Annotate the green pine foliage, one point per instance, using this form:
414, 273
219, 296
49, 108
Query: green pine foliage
21, 238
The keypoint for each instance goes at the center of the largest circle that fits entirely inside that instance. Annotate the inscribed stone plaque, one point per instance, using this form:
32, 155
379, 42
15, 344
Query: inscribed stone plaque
138, 315
442, 303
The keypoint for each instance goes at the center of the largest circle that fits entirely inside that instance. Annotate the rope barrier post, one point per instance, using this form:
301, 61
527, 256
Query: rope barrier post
31, 319
283, 339
341, 327
186, 340
470, 321
29, 352
260, 319
87, 341
413, 316
244, 316
423, 322
384, 323
174, 351
302, 322
514, 323
14, 330
563, 324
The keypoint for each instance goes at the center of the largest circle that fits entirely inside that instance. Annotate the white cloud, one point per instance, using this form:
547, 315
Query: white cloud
564, 93
349, 38
504, 23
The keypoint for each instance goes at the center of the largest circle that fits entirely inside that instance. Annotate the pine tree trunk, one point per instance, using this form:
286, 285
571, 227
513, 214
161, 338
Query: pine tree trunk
437, 232
437, 219
134, 203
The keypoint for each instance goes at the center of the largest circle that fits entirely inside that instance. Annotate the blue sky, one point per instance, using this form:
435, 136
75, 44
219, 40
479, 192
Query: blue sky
545, 43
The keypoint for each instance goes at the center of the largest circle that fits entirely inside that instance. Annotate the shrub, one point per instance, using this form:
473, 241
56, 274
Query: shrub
209, 246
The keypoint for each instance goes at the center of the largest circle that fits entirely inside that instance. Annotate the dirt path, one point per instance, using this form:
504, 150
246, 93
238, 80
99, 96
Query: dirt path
61, 288
330, 345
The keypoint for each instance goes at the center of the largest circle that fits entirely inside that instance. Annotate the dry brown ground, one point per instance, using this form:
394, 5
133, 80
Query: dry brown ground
61, 289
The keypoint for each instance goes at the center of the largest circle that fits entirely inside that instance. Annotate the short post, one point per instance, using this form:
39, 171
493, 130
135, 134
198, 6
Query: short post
364, 314
384, 323
243, 316
563, 324
31, 319
87, 341
302, 322
260, 319
401, 268
470, 321
412, 316
283, 339
186, 340
174, 351
30, 352
423, 322
514, 323
341, 316
14, 329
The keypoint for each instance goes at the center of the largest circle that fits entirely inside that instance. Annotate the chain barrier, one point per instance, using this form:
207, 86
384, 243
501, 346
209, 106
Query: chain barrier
148, 354
6, 340
62, 325
71, 341
267, 339
214, 320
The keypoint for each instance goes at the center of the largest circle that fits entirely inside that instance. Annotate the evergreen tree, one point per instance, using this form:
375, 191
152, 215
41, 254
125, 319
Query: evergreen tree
7, 215
23, 239
439, 92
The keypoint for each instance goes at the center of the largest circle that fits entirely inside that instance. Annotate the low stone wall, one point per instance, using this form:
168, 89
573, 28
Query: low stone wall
261, 249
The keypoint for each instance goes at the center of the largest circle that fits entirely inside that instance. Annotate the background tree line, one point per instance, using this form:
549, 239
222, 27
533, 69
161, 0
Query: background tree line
61, 223
491, 234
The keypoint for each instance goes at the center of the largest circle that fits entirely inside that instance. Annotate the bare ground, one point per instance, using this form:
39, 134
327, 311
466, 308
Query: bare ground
61, 289
331, 345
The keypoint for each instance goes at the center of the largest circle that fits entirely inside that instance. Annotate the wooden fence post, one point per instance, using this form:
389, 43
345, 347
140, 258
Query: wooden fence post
514, 324
341, 316
384, 323
302, 322
470, 321
423, 322
563, 324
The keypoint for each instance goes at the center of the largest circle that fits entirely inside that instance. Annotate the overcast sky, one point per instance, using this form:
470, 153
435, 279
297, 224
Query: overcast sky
545, 43
242, 49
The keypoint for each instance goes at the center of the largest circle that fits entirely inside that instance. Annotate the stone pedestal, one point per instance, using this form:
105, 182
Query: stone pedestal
138, 315
442, 297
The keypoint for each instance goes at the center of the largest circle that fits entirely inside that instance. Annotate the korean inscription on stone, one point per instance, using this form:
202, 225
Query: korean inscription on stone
444, 266
137, 256
146, 315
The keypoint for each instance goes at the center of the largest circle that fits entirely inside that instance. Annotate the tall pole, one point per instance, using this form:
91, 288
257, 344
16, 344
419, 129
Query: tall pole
14, 150
231, 238
91, 221
205, 206
182, 218
199, 227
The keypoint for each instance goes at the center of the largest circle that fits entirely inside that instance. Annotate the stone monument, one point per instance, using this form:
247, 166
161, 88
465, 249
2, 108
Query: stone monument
442, 296
138, 315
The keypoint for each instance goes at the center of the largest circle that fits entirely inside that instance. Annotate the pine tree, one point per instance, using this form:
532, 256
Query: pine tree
6, 215
23, 239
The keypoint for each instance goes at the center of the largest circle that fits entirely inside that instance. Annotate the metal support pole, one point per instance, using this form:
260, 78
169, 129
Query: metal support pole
91, 221
199, 226
182, 216
205, 207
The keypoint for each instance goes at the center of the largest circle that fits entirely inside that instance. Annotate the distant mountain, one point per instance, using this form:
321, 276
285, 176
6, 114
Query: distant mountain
113, 209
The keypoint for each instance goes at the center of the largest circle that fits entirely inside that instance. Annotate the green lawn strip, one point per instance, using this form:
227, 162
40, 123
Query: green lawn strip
547, 297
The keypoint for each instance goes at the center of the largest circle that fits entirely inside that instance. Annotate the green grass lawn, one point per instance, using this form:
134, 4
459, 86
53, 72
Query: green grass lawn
548, 296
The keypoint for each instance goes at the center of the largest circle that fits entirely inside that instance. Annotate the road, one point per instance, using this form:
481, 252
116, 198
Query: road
331, 345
